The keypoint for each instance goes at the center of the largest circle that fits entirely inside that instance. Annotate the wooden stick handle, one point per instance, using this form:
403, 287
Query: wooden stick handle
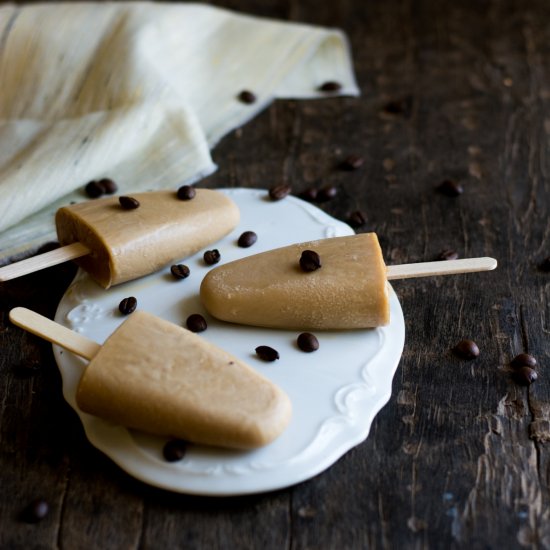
53, 332
445, 267
42, 261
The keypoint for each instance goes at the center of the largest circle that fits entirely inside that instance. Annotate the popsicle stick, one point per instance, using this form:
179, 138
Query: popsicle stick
444, 267
53, 332
42, 261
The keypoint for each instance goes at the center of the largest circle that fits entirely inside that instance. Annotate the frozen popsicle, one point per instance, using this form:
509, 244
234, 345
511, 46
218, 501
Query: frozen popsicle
154, 376
114, 244
348, 290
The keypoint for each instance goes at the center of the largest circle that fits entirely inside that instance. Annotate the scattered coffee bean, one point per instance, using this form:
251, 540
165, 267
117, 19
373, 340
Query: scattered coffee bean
265, 353
310, 260
357, 219
399, 106
525, 376
523, 360
94, 190
186, 193
180, 271
450, 188
174, 450
309, 194
278, 192
352, 162
35, 511
327, 193
127, 305
545, 265
330, 86
212, 257
447, 254
307, 342
108, 185
247, 97
466, 349
128, 203
196, 323
247, 239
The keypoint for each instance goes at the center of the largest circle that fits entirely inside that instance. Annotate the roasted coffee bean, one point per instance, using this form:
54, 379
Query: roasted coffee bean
525, 376
108, 185
127, 305
128, 203
265, 353
330, 86
212, 257
399, 106
466, 349
247, 97
327, 193
545, 265
352, 162
278, 192
307, 342
310, 260
247, 239
196, 323
447, 254
186, 193
35, 511
180, 271
309, 194
523, 360
450, 188
94, 190
357, 219
174, 450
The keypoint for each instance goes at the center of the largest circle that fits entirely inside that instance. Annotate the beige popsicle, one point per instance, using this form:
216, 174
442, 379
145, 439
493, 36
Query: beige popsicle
348, 291
115, 245
154, 376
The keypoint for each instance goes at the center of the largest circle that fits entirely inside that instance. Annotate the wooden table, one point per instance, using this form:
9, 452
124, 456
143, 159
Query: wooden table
459, 457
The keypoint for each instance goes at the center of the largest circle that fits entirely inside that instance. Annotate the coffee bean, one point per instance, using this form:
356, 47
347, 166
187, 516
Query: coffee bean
307, 342
330, 86
525, 376
309, 195
247, 97
247, 239
174, 450
128, 203
108, 185
447, 254
310, 260
212, 257
186, 193
523, 360
180, 271
327, 193
450, 188
357, 219
352, 162
94, 190
35, 511
196, 323
399, 106
127, 305
545, 265
265, 353
278, 192
466, 349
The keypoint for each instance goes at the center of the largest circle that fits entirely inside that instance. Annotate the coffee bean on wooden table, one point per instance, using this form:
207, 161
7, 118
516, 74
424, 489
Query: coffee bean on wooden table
309, 194
447, 255
525, 376
180, 271
35, 511
466, 349
307, 342
523, 360
450, 188
127, 305
352, 162
247, 239
327, 193
357, 219
196, 323
267, 353
545, 265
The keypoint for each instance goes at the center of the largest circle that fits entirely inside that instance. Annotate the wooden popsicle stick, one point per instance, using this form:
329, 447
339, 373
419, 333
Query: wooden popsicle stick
53, 332
444, 267
42, 261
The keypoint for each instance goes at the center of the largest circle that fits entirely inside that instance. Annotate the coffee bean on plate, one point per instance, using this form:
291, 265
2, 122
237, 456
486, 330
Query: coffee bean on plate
180, 271
278, 192
35, 511
108, 185
212, 257
247, 239
310, 260
525, 376
186, 193
247, 96
196, 323
450, 188
94, 190
128, 203
330, 86
523, 360
307, 342
267, 353
466, 349
174, 450
127, 305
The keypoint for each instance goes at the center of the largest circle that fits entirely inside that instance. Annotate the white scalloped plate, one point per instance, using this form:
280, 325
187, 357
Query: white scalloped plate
335, 391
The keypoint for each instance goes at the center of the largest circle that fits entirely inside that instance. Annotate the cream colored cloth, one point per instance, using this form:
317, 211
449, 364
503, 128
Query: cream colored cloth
138, 92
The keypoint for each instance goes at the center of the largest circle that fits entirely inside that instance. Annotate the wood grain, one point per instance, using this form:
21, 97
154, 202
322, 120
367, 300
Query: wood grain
459, 456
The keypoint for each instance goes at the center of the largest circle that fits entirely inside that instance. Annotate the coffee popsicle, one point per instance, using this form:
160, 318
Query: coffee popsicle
347, 291
116, 244
157, 377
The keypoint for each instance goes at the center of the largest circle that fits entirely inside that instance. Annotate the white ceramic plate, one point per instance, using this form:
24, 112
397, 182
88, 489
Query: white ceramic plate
335, 391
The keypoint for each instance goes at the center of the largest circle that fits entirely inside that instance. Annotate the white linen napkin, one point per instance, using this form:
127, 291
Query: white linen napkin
137, 92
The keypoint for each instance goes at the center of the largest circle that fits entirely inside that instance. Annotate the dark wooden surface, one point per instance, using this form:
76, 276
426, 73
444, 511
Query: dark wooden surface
459, 457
